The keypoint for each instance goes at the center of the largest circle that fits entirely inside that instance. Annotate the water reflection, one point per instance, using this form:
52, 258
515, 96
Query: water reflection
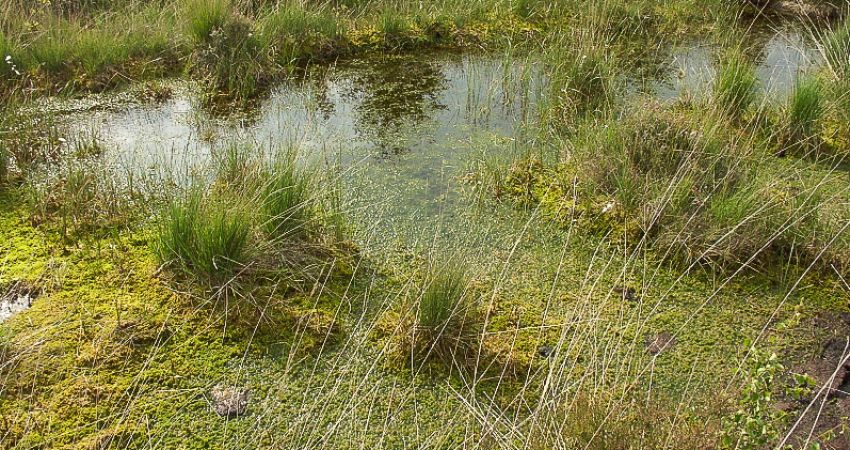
779, 55
400, 130
393, 95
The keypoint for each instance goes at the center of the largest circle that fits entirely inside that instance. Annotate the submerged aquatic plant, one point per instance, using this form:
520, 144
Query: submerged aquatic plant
735, 85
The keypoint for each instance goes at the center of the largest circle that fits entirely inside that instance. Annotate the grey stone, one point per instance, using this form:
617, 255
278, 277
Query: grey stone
229, 401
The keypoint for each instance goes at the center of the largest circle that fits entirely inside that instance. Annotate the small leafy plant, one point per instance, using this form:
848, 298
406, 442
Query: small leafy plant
755, 425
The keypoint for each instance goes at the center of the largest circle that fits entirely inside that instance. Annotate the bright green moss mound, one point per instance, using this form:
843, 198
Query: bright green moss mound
108, 350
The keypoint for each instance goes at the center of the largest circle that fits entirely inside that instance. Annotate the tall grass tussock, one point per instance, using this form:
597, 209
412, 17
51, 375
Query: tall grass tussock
258, 206
735, 85
446, 323
834, 45
206, 17
205, 236
293, 32
286, 199
805, 112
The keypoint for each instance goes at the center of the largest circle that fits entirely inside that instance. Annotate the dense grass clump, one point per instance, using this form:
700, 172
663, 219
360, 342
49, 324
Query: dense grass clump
686, 162
582, 78
230, 57
204, 17
259, 209
394, 28
205, 236
283, 194
805, 111
293, 32
446, 322
684, 186
285, 198
835, 47
735, 85
70, 53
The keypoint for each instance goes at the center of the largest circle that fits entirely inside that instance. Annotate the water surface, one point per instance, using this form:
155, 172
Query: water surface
402, 131
780, 57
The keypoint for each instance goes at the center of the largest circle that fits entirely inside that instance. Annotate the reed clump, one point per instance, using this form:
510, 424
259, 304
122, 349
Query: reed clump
257, 212
805, 113
835, 46
205, 236
735, 85
447, 324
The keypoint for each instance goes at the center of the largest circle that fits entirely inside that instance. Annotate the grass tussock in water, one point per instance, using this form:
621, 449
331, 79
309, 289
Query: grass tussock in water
447, 324
583, 75
255, 212
286, 199
735, 85
206, 236
228, 56
805, 112
684, 186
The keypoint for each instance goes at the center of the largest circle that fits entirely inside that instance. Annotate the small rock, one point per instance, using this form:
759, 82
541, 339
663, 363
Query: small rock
785, 406
545, 351
626, 292
229, 401
660, 342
